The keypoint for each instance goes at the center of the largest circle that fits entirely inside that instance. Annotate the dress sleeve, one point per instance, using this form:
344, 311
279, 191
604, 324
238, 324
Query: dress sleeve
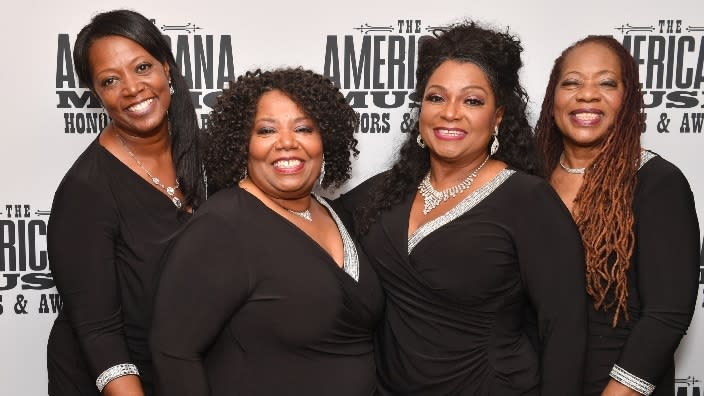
82, 231
202, 285
552, 268
667, 272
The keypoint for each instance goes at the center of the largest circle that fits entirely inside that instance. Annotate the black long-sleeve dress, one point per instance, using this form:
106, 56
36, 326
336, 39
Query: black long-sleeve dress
457, 291
662, 286
248, 304
107, 232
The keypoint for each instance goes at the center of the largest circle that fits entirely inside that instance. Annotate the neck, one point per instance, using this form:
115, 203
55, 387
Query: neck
444, 174
297, 204
579, 157
151, 145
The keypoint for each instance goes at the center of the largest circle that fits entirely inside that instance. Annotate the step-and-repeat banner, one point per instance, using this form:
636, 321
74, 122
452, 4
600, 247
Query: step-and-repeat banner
368, 48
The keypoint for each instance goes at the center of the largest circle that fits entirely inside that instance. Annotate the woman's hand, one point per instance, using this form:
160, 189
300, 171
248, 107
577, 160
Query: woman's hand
615, 388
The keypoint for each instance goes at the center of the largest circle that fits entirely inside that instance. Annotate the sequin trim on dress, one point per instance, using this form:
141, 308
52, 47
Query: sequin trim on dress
646, 156
351, 258
465, 205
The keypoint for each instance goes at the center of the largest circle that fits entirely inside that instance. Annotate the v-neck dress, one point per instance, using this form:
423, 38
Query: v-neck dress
662, 288
458, 289
106, 235
248, 304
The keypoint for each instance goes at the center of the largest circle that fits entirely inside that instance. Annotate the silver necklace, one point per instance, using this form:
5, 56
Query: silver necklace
432, 197
305, 214
170, 190
574, 171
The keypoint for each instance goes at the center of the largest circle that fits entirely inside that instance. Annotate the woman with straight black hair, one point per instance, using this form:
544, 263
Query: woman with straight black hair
117, 206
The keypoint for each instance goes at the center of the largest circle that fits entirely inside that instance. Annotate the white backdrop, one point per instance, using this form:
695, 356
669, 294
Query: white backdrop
47, 122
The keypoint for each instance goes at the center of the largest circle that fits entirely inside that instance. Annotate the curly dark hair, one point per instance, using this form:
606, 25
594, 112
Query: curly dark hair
603, 207
498, 55
183, 120
232, 119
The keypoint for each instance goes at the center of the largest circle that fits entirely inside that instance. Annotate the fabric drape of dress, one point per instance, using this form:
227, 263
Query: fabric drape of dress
662, 285
457, 293
107, 232
249, 304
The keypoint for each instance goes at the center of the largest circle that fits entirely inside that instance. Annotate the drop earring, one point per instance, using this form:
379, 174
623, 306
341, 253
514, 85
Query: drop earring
495, 143
420, 142
322, 172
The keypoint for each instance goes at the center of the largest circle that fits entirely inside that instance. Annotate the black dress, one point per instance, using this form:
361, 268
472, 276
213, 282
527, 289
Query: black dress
454, 321
248, 304
662, 286
107, 232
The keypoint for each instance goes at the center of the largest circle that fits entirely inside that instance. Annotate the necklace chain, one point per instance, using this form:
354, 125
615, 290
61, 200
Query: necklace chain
574, 171
432, 197
170, 190
304, 214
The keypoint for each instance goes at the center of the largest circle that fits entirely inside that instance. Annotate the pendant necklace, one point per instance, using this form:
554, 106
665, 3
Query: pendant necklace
304, 214
170, 190
432, 197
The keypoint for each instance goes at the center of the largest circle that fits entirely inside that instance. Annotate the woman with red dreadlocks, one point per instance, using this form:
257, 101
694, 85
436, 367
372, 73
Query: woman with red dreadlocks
635, 212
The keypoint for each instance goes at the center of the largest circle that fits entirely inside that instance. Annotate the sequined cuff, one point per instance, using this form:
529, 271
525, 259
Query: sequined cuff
637, 384
113, 372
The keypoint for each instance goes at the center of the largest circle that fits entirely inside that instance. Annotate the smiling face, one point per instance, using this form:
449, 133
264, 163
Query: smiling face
459, 113
588, 95
285, 148
132, 85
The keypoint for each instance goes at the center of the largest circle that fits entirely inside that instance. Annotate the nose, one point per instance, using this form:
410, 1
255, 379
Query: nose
450, 110
286, 140
588, 93
132, 85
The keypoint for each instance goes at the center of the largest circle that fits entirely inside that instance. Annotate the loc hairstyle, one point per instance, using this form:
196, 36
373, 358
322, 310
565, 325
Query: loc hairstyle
183, 121
498, 55
603, 206
232, 119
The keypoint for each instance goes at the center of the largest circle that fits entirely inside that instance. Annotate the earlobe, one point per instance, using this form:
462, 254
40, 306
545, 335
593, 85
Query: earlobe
499, 116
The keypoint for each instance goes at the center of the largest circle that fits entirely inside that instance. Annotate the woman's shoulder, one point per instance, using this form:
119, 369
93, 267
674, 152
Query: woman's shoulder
523, 192
360, 193
656, 174
87, 175
225, 202
523, 181
653, 165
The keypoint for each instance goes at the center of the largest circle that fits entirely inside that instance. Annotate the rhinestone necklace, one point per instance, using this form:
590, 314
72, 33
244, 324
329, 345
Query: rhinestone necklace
170, 190
574, 171
432, 197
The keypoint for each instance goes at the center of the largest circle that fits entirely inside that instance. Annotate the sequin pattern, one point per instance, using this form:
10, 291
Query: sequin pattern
351, 259
465, 205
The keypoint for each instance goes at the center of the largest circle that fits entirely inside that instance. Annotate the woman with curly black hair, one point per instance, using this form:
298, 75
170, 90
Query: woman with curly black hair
464, 238
265, 292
